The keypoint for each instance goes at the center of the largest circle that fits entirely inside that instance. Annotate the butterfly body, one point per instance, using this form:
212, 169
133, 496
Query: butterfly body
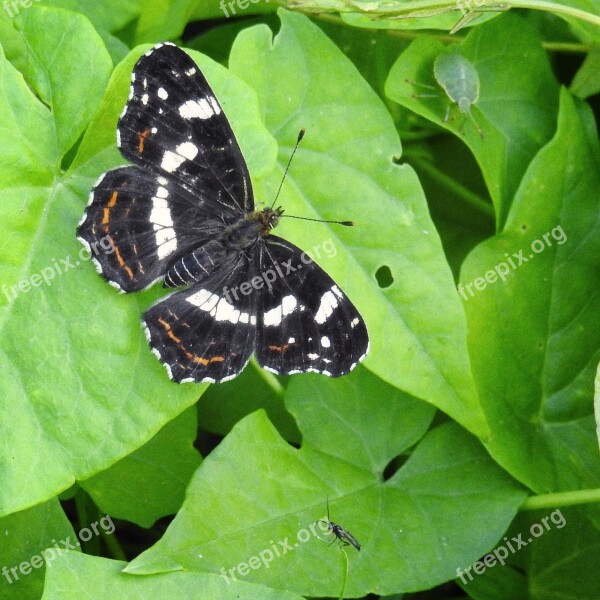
184, 213
238, 237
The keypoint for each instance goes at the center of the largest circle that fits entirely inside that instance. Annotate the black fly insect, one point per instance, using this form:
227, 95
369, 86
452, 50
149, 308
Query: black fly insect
345, 537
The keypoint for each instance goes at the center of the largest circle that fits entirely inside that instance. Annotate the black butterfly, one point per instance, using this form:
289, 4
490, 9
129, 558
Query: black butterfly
184, 212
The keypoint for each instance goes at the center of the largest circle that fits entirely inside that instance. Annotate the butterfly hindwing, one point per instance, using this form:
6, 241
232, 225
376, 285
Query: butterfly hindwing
173, 124
202, 334
305, 322
146, 221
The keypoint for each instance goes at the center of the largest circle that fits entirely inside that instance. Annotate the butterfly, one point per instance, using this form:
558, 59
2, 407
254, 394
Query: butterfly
184, 213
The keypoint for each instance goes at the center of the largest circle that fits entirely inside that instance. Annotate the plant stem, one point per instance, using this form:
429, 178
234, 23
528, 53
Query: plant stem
344, 572
452, 185
561, 499
427, 8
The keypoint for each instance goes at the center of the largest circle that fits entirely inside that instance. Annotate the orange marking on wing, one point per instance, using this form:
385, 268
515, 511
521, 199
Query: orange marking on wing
279, 348
207, 361
142, 139
122, 263
173, 337
106, 211
189, 355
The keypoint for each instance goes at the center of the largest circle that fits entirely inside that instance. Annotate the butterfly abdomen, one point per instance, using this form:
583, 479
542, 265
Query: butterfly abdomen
197, 265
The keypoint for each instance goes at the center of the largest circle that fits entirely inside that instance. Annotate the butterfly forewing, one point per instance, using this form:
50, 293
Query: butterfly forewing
173, 124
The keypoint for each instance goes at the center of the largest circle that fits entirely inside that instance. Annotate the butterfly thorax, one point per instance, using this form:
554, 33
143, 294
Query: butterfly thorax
267, 219
245, 232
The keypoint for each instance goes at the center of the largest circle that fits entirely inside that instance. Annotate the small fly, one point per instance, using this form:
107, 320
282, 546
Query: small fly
339, 533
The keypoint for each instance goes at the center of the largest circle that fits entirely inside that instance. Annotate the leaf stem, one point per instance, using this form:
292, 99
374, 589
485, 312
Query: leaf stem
344, 572
561, 499
452, 185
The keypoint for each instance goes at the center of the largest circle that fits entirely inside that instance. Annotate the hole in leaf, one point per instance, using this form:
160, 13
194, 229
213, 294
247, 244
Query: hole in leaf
384, 276
393, 466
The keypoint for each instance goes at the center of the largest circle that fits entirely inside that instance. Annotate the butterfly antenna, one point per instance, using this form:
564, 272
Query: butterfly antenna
300, 136
328, 518
345, 223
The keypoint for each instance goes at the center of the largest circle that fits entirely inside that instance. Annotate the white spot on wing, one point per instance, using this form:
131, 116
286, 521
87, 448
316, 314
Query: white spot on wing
274, 317
203, 299
199, 109
327, 306
162, 221
219, 308
145, 99
188, 150
162, 93
325, 342
171, 161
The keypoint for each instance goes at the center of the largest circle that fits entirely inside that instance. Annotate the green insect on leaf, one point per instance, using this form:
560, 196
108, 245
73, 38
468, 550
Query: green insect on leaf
460, 80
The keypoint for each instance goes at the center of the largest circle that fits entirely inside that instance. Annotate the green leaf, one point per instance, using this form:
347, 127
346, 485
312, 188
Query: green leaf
516, 110
549, 554
597, 402
80, 388
448, 488
108, 15
56, 77
344, 169
25, 535
222, 406
77, 575
337, 420
535, 336
587, 79
150, 483
160, 21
